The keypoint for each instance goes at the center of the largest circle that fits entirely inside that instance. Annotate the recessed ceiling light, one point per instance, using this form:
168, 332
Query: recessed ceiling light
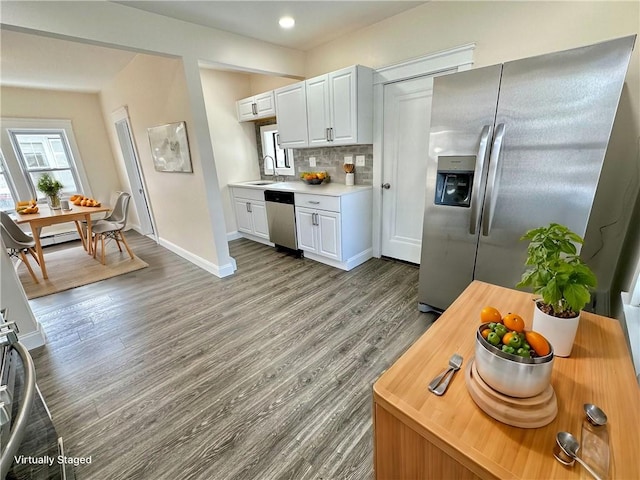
287, 22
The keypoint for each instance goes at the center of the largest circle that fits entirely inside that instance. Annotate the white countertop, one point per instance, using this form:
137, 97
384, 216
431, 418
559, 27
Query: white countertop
330, 189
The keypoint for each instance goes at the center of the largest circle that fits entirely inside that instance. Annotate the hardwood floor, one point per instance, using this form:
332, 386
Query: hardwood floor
169, 372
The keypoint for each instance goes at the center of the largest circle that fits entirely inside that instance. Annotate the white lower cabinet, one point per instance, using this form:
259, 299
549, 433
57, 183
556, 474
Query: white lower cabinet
335, 230
251, 212
319, 232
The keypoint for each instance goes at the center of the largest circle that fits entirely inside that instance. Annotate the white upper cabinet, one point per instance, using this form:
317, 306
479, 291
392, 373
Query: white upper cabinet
291, 111
256, 107
318, 114
340, 107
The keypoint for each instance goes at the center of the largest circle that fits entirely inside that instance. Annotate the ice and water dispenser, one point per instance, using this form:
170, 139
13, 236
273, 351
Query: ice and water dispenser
454, 180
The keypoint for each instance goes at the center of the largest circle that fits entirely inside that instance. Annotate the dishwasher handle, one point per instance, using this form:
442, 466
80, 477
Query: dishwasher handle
279, 197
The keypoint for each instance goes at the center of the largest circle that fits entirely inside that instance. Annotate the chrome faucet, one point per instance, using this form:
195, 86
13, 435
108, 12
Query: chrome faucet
275, 171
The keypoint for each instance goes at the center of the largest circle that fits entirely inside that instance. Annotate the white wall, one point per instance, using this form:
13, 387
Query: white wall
264, 83
13, 298
116, 25
154, 90
85, 113
234, 143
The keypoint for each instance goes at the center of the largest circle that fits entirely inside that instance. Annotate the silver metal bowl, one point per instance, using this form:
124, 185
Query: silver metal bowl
511, 374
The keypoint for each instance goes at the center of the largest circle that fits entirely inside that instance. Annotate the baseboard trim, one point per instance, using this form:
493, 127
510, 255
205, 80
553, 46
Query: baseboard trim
33, 340
220, 271
254, 238
233, 236
359, 259
347, 265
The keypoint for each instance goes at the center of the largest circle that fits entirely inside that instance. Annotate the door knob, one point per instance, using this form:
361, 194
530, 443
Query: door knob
386, 186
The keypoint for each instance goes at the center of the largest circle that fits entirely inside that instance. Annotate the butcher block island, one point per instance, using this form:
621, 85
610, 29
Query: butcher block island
419, 435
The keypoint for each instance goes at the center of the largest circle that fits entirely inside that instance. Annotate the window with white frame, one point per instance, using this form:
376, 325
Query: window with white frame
273, 155
45, 152
7, 197
33, 147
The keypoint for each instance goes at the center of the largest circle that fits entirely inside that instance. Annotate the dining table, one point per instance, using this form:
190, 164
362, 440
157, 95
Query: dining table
47, 216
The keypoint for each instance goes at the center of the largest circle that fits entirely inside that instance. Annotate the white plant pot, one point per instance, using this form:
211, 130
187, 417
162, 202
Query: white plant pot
560, 332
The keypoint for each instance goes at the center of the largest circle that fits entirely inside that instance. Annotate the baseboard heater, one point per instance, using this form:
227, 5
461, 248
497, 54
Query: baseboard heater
57, 238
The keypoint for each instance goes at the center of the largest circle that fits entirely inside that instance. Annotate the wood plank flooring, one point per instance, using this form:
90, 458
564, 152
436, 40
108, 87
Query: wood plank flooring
170, 372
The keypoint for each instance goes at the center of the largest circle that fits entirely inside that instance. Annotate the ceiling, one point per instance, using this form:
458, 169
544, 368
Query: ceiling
41, 62
317, 22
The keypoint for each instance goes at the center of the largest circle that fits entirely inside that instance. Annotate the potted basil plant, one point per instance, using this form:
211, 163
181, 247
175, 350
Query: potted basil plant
51, 188
557, 273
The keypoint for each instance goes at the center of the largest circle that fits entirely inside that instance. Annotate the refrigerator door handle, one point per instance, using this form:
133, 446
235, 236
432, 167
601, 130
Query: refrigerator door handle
494, 163
482, 156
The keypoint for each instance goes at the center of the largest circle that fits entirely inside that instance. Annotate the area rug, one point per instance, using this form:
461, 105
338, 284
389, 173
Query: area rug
70, 267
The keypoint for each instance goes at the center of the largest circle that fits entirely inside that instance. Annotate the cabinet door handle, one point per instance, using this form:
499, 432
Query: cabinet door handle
254, 108
331, 137
248, 207
317, 219
327, 134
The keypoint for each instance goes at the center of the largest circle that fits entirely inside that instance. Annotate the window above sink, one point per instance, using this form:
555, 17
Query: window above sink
272, 153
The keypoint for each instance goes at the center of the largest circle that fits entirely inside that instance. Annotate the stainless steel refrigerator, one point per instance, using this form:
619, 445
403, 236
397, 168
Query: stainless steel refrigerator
513, 147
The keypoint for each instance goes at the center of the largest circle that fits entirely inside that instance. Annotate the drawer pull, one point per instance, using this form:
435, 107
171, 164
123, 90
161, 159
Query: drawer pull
313, 202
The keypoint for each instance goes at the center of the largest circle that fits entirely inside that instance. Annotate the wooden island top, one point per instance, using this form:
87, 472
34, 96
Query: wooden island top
421, 435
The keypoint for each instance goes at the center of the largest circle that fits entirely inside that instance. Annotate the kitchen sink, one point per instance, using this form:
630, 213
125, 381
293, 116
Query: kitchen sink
260, 182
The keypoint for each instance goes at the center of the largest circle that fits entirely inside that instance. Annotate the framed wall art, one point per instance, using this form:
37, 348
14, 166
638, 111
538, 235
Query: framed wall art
170, 148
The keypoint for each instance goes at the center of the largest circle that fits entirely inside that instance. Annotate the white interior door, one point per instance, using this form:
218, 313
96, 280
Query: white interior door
406, 124
132, 166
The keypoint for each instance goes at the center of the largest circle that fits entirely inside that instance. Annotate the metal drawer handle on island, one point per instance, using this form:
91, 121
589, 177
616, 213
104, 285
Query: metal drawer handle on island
312, 202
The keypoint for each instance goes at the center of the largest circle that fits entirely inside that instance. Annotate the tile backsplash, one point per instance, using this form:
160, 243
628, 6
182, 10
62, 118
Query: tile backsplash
329, 159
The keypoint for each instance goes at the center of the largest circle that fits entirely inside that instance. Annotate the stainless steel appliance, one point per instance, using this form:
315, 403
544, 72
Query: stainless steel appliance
513, 147
30, 448
281, 218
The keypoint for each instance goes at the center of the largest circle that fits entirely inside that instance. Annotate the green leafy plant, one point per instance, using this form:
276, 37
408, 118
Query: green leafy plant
49, 185
557, 273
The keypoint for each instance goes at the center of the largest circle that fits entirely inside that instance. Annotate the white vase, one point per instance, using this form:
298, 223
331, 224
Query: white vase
560, 332
350, 179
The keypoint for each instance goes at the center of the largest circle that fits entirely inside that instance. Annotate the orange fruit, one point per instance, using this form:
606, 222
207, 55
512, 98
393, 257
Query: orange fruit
538, 343
507, 338
490, 314
485, 333
514, 322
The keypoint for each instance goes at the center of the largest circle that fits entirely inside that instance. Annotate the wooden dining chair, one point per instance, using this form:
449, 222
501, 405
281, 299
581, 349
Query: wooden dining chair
18, 242
112, 229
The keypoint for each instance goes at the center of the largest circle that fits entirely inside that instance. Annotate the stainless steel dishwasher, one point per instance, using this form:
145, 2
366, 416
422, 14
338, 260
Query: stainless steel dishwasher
282, 218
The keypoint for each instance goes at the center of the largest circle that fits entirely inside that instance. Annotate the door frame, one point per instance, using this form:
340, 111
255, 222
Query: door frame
452, 60
119, 115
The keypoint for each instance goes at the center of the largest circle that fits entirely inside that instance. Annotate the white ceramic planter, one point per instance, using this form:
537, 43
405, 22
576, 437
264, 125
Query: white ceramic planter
560, 332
